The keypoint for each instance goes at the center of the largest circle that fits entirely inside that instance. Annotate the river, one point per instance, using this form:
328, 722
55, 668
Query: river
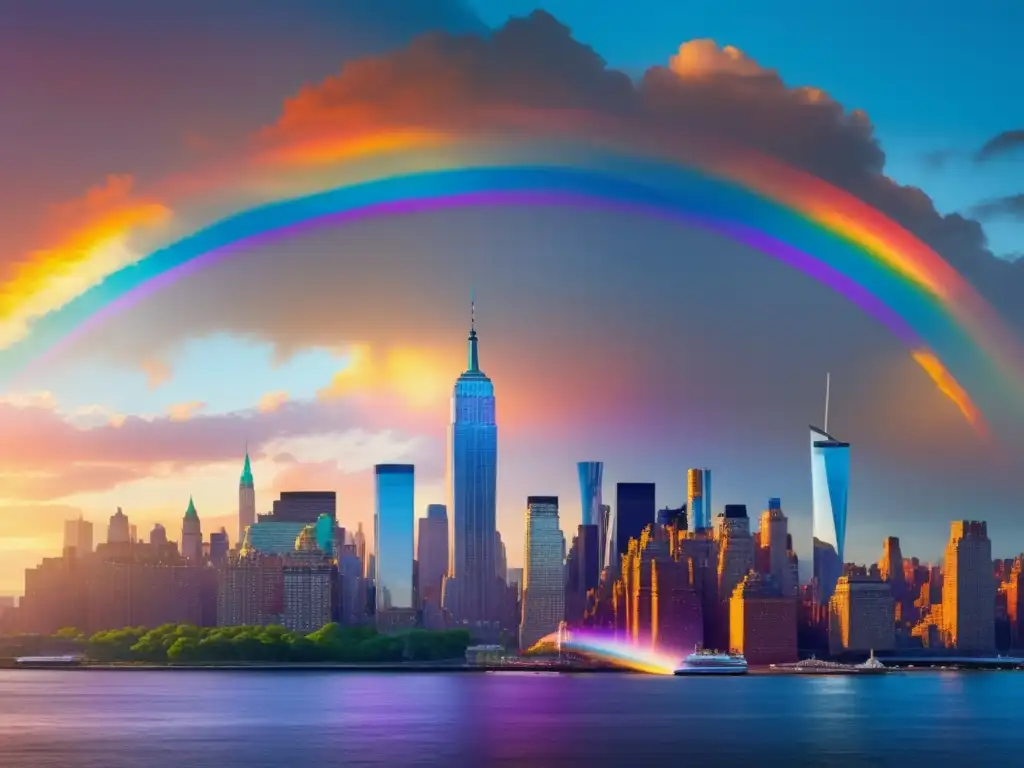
158, 719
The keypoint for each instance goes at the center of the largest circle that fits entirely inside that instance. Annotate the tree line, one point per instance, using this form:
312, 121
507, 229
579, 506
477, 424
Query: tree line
184, 643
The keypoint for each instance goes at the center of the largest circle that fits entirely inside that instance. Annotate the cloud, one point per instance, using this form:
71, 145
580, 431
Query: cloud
272, 401
185, 411
938, 159
1010, 207
417, 376
1001, 144
157, 372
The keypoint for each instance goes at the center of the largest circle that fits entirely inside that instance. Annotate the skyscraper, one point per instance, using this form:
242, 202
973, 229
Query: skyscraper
393, 530
118, 531
773, 542
830, 480
969, 591
432, 552
360, 540
543, 574
698, 498
634, 511
303, 507
246, 500
219, 545
191, 535
158, 536
78, 536
472, 467
591, 474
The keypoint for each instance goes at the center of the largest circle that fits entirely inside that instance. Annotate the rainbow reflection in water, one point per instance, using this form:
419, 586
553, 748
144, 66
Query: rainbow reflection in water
610, 650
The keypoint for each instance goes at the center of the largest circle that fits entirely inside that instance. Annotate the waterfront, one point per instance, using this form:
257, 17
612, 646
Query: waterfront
89, 719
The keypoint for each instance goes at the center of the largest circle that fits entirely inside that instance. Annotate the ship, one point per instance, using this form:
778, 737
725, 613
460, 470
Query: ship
815, 666
708, 662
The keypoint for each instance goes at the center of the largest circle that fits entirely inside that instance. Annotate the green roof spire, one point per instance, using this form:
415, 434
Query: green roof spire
246, 481
191, 511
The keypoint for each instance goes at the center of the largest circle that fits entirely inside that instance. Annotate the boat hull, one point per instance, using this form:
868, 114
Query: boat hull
687, 671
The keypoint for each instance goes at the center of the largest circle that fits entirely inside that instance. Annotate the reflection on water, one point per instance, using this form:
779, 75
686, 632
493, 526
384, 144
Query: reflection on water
178, 718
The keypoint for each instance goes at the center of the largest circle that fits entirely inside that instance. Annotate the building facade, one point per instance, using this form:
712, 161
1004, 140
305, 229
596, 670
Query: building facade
432, 553
635, 509
246, 499
393, 531
830, 481
762, 621
698, 498
862, 616
191, 535
543, 598
472, 480
78, 536
969, 589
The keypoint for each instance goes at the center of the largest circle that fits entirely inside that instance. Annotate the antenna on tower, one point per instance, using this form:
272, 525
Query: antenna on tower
472, 308
828, 384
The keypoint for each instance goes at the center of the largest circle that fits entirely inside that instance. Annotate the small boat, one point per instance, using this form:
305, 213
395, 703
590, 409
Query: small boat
708, 662
872, 665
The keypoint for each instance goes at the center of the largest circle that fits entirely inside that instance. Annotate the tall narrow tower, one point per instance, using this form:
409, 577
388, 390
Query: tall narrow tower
471, 593
246, 500
191, 535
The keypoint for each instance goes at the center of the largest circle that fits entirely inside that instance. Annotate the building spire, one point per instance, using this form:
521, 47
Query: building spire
474, 357
246, 481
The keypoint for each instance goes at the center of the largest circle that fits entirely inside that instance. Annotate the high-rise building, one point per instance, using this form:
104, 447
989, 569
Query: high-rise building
302, 507
735, 560
119, 531
472, 474
432, 553
393, 531
78, 536
762, 621
634, 511
158, 536
251, 590
1015, 602
360, 540
191, 535
591, 474
246, 499
698, 498
310, 585
515, 579
830, 480
543, 575
774, 538
219, 546
605, 522
862, 616
969, 589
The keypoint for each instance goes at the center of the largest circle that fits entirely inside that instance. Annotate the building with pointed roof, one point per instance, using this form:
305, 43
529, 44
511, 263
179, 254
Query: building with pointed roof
246, 499
191, 534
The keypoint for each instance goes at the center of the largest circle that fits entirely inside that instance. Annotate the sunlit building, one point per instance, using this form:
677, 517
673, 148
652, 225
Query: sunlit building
158, 536
191, 535
698, 498
432, 553
830, 480
861, 616
394, 523
762, 621
470, 593
969, 591
543, 575
773, 542
119, 530
78, 536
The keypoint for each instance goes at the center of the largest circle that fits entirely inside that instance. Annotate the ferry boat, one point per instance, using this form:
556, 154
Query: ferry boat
815, 666
708, 662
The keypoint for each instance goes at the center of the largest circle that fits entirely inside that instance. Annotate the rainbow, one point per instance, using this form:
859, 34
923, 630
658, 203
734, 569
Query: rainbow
607, 649
784, 213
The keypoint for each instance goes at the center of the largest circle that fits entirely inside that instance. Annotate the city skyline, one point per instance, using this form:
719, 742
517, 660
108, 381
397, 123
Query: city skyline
291, 350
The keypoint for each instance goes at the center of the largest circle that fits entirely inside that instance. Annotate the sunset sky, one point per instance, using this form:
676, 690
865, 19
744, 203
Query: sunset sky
647, 345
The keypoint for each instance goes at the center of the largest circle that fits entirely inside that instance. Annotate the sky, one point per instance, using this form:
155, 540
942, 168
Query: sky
651, 346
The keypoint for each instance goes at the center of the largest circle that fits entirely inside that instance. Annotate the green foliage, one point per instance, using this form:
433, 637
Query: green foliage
186, 644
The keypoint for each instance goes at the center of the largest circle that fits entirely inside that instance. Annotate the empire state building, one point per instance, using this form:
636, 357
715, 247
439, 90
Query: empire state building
471, 591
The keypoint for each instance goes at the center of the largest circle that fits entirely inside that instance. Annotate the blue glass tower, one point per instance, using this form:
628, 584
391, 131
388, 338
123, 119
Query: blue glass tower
472, 593
830, 482
394, 520
591, 473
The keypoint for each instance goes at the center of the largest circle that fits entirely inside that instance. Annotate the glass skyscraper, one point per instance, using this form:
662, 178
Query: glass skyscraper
472, 593
830, 482
393, 523
543, 571
698, 498
591, 474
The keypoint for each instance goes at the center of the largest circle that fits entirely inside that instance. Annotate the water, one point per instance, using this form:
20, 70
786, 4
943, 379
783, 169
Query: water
90, 719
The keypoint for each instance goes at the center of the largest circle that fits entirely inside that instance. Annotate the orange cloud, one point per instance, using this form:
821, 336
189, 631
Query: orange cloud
272, 401
88, 243
185, 411
157, 372
420, 378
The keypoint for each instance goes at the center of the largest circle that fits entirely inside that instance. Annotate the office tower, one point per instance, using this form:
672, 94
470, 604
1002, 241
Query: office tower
310, 585
271, 538
432, 553
774, 542
500, 557
543, 575
219, 546
158, 536
78, 536
118, 531
698, 498
830, 479
133, 533
735, 561
968, 593
1015, 602
246, 499
581, 572
302, 507
793, 564
673, 518
360, 541
762, 621
393, 531
634, 511
591, 474
350, 574
890, 569
191, 535
605, 522
472, 468
251, 590
515, 578
861, 616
